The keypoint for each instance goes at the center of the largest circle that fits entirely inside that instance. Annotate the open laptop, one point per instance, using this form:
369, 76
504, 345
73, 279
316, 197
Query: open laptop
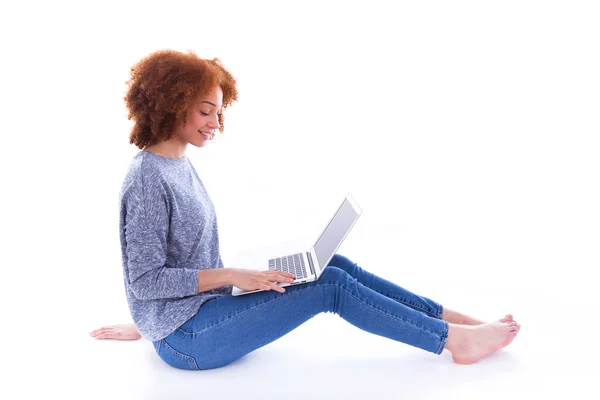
307, 265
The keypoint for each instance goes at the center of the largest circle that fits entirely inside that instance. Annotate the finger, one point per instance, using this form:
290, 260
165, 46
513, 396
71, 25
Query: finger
101, 331
277, 272
272, 286
103, 336
281, 273
278, 288
281, 278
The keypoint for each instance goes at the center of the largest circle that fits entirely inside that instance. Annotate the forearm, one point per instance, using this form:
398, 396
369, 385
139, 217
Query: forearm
209, 279
163, 283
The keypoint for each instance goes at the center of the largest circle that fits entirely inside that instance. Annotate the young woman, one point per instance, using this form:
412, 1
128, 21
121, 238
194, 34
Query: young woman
179, 292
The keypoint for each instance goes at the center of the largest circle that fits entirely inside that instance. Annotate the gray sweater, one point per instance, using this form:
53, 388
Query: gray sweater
168, 229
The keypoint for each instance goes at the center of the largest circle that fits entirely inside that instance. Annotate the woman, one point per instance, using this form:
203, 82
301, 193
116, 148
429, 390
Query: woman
179, 292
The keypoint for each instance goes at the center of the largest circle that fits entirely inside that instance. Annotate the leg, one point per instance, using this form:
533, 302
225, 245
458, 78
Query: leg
395, 292
227, 328
467, 346
387, 288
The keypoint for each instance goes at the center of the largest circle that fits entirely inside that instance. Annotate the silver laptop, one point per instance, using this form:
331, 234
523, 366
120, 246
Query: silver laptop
307, 265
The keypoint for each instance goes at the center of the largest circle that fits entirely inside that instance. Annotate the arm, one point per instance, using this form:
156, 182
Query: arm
148, 275
145, 224
208, 279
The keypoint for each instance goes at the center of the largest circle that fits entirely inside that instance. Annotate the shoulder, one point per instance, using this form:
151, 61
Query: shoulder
144, 164
143, 175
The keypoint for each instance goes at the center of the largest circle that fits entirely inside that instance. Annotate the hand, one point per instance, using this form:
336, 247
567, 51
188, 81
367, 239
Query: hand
117, 332
248, 279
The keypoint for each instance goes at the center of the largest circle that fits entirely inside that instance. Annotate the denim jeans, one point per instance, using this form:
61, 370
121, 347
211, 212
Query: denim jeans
226, 328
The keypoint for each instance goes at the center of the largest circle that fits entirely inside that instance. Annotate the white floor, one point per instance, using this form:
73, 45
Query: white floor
556, 353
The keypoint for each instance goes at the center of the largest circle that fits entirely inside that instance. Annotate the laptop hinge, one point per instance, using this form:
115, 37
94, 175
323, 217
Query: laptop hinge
310, 263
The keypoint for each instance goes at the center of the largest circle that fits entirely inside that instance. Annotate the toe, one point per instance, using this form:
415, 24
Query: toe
507, 318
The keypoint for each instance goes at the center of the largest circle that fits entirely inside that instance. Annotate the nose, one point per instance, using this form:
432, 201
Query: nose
214, 122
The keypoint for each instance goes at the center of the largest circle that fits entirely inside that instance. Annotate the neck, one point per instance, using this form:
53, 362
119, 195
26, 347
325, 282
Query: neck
170, 148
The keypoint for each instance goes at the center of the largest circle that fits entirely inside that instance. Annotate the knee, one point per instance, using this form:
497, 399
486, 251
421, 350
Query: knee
334, 274
342, 262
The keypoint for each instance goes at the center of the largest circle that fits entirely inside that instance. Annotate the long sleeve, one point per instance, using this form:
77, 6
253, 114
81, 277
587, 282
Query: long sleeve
146, 230
168, 232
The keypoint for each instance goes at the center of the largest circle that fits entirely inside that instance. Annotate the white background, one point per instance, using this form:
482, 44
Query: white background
468, 131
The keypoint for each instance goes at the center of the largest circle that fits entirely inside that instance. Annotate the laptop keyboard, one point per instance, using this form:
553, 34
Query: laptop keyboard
293, 264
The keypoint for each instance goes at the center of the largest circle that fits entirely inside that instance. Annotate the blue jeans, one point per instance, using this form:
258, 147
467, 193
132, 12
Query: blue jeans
227, 328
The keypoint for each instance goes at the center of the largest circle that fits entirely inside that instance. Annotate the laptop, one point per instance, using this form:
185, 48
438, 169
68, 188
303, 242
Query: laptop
307, 265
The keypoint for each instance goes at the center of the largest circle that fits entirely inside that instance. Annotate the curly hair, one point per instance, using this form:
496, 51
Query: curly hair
163, 85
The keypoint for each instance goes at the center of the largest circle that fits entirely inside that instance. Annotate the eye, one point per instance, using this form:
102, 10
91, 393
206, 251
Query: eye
203, 113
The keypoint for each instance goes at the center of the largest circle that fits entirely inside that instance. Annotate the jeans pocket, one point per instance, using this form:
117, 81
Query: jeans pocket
173, 357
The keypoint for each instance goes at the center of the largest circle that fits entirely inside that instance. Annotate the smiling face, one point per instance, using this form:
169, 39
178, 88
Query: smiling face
202, 120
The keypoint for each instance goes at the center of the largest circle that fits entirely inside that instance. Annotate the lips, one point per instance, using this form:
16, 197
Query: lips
207, 135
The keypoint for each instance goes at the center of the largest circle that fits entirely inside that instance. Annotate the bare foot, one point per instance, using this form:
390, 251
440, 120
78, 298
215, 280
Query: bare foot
117, 332
469, 344
454, 317
508, 318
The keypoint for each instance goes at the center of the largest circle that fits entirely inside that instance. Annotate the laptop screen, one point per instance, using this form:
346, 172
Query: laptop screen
335, 232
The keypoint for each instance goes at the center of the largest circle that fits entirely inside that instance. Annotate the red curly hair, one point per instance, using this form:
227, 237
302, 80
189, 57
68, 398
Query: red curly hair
163, 85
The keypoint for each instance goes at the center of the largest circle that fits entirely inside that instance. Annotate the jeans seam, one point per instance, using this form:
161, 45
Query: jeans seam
444, 338
185, 357
437, 315
408, 304
390, 315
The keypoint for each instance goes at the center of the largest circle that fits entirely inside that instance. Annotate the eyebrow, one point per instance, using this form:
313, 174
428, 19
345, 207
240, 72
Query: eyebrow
212, 104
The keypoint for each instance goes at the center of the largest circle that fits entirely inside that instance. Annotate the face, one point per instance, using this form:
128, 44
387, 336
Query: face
202, 120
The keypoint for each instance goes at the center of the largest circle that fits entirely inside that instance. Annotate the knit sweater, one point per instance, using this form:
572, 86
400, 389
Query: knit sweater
168, 231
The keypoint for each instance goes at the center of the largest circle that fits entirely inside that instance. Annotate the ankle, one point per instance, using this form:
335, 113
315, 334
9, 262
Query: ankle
457, 336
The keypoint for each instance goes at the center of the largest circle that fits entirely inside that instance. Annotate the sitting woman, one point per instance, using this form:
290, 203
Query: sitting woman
179, 292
